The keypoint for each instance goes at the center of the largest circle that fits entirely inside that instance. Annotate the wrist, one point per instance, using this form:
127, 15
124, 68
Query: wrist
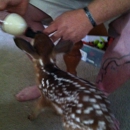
90, 17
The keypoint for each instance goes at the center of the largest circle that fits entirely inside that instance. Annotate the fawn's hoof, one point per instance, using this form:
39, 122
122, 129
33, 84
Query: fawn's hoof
31, 117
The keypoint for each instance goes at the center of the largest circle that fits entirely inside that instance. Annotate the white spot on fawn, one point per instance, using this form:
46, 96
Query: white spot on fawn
40, 86
72, 116
99, 112
60, 94
41, 63
32, 42
96, 106
82, 87
86, 91
92, 100
78, 85
92, 90
52, 61
98, 97
108, 118
77, 119
47, 83
101, 125
88, 122
88, 110
103, 105
58, 109
43, 83
80, 105
86, 98
78, 111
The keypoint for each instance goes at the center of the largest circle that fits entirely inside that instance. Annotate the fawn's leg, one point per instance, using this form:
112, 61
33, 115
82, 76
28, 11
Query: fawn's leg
39, 107
73, 129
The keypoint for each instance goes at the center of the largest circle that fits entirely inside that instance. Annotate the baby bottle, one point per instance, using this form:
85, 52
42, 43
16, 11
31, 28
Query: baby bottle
13, 24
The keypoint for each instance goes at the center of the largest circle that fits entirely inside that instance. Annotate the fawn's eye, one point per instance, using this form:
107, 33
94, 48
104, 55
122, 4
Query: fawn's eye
37, 50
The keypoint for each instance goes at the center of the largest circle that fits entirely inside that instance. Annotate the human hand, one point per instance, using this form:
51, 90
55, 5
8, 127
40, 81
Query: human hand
16, 6
72, 25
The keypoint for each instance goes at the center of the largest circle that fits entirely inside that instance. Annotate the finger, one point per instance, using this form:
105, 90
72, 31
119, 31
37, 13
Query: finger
50, 29
57, 35
3, 5
16, 10
19, 8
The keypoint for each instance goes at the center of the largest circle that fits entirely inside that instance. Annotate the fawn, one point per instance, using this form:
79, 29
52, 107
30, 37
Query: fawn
80, 103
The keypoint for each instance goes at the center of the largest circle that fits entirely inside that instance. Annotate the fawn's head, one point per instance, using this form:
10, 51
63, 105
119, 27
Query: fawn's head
43, 47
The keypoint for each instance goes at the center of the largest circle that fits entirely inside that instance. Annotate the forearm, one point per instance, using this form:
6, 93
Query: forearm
103, 10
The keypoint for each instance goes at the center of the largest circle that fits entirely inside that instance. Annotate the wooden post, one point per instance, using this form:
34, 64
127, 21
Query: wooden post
72, 58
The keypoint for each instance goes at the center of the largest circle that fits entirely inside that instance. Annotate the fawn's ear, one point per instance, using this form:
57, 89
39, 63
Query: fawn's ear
26, 46
63, 46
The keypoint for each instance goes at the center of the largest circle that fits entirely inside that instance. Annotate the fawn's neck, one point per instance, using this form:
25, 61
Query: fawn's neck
43, 69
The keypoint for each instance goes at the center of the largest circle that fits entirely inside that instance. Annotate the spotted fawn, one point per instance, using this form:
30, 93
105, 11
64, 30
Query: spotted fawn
80, 103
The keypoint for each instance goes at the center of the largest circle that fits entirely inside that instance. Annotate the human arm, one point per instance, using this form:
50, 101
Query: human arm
17, 6
108, 9
74, 25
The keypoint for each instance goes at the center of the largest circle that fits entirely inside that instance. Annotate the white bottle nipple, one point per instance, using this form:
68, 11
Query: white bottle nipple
14, 24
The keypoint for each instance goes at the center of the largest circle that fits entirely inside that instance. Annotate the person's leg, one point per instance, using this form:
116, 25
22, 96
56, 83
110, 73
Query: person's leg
28, 93
33, 17
115, 69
